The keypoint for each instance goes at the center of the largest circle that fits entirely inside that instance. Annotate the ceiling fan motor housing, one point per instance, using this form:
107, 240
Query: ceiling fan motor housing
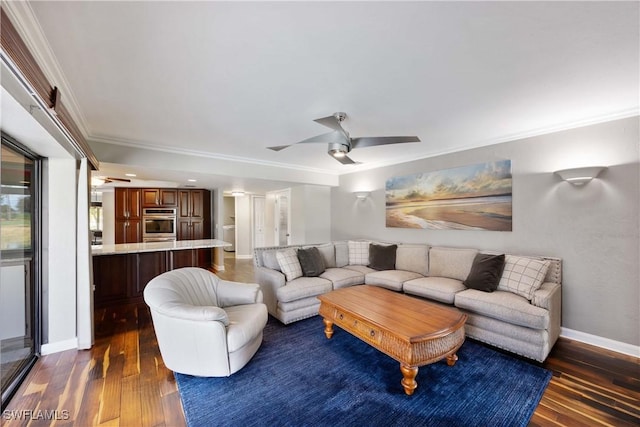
337, 149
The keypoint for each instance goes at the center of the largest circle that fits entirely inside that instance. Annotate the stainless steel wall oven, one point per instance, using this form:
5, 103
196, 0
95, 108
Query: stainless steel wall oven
159, 224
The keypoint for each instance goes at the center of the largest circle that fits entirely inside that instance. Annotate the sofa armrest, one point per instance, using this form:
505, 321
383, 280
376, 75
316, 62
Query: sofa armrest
269, 280
543, 297
204, 313
549, 297
237, 293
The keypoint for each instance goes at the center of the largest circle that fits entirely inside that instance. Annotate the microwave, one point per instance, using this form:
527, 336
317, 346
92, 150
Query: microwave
158, 224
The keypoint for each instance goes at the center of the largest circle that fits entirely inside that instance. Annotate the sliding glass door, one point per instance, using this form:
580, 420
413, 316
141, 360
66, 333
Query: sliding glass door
19, 263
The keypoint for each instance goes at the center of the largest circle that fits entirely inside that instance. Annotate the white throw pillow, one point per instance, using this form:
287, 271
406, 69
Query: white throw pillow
289, 264
358, 252
523, 275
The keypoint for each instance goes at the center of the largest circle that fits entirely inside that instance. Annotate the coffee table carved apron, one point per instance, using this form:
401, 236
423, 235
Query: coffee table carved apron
414, 332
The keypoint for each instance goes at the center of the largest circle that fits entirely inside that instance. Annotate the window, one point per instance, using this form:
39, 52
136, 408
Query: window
15, 201
19, 263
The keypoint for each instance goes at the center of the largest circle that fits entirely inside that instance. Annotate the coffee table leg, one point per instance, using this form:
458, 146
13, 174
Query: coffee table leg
328, 328
451, 360
409, 379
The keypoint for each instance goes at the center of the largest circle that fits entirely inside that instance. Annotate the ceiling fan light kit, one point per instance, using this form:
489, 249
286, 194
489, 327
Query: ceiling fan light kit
340, 143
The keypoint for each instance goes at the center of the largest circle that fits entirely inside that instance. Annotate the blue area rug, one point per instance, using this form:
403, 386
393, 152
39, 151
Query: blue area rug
300, 378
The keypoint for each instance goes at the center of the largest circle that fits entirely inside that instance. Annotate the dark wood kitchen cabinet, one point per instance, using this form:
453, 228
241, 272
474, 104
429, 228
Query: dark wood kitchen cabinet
192, 257
121, 278
159, 197
128, 215
194, 214
111, 277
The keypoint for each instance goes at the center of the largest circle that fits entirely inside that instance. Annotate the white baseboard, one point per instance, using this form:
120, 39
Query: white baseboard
217, 267
58, 346
244, 256
609, 344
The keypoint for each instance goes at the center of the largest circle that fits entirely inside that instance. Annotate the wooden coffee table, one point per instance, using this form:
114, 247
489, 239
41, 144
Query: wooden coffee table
412, 331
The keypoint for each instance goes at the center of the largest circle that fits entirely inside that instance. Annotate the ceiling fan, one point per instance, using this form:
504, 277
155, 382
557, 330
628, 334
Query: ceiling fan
340, 143
99, 180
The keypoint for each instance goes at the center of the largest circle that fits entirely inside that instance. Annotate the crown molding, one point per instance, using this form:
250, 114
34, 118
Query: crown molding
196, 153
29, 29
379, 164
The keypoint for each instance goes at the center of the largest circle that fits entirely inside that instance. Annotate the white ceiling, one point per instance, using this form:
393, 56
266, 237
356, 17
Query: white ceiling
228, 79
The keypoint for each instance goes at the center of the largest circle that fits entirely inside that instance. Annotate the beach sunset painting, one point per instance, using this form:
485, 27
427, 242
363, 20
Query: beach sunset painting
475, 197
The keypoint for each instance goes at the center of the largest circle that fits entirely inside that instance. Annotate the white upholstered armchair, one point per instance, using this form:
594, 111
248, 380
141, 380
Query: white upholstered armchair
205, 326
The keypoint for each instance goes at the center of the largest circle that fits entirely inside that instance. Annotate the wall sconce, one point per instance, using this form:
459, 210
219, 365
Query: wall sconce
361, 195
580, 176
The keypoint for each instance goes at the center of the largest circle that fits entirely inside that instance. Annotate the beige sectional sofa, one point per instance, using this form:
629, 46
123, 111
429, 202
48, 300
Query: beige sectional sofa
520, 316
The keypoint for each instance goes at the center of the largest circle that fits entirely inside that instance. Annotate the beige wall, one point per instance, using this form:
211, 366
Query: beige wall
593, 228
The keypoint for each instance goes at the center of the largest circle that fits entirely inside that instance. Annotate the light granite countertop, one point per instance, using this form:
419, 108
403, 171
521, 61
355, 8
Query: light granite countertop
131, 248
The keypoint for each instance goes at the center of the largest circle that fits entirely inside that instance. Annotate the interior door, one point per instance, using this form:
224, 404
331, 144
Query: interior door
283, 225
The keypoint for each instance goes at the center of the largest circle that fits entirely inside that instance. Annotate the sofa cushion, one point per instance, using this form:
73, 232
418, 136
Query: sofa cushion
289, 264
303, 287
269, 260
442, 289
382, 257
523, 275
358, 252
342, 254
390, 279
343, 277
413, 258
328, 252
485, 272
311, 262
505, 306
453, 263
362, 269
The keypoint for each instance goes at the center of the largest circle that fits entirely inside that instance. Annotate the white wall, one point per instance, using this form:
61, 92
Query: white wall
217, 212
594, 229
310, 214
244, 247
108, 217
59, 255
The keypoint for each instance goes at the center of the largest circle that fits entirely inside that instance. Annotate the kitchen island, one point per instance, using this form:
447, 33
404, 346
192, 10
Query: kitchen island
121, 271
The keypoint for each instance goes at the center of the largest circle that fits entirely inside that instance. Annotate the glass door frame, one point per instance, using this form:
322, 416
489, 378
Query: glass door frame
35, 297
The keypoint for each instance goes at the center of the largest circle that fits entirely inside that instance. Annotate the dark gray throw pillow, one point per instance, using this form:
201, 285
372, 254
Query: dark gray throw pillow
485, 272
382, 257
311, 262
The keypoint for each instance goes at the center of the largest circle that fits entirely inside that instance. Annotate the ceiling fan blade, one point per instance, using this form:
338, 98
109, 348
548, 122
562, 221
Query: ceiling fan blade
345, 160
330, 122
110, 178
334, 123
329, 137
370, 141
278, 147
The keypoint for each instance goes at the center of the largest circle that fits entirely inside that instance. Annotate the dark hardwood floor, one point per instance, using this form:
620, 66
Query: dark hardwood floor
122, 381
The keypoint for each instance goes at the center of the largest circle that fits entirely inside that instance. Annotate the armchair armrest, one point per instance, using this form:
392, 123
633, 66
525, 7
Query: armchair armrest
237, 293
193, 312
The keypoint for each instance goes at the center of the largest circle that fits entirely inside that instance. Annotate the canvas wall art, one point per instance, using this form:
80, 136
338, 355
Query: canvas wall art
475, 197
